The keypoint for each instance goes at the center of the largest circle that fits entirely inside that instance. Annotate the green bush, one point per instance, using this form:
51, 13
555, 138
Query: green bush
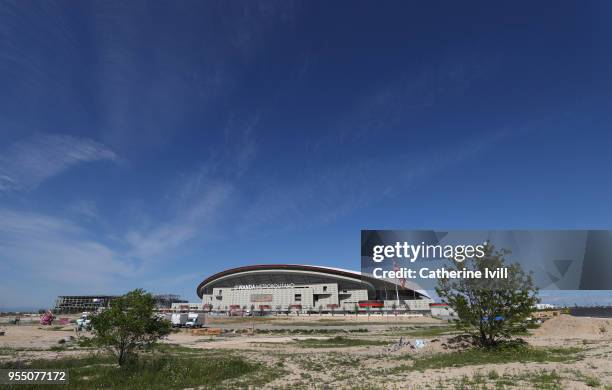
129, 324
152, 371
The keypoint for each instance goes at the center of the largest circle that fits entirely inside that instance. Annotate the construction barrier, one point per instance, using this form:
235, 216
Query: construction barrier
206, 332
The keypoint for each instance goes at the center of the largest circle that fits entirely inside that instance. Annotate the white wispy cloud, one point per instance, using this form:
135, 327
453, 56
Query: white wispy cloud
59, 255
51, 255
246, 24
84, 208
28, 163
323, 197
392, 106
240, 144
201, 197
197, 218
80, 252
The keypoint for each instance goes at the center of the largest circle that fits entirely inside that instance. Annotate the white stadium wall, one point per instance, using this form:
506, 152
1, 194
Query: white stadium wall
304, 289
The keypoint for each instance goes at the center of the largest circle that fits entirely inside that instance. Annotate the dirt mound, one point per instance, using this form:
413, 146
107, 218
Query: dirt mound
428, 346
568, 327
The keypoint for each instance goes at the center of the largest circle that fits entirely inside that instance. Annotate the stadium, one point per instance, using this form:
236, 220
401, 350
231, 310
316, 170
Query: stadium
305, 288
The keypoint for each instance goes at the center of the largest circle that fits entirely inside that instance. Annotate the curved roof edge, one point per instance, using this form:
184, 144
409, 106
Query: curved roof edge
299, 267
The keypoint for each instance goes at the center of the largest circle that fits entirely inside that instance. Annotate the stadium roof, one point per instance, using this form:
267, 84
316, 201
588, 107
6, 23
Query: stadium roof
355, 276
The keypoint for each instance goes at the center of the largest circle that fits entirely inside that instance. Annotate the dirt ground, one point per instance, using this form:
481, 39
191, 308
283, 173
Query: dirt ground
276, 343
28, 342
282, 319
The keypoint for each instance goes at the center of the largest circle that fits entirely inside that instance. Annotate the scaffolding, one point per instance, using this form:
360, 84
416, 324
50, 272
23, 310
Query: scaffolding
80, 303
165, 301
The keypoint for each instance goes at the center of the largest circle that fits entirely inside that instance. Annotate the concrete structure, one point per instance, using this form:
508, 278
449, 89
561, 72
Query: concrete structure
442, 310
544, 306
79, 303
188, 306
303, 288
165, 301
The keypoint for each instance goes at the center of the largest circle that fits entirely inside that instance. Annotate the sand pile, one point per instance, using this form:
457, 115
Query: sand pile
568, 327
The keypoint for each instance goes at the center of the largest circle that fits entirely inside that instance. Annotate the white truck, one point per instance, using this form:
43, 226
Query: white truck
84, 323
195, 320
178, 320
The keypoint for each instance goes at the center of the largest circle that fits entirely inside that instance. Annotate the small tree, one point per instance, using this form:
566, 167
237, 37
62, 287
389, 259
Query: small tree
492, 309
356, 309
129, 324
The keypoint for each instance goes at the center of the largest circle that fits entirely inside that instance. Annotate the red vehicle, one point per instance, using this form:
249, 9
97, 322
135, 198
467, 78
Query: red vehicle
47, 318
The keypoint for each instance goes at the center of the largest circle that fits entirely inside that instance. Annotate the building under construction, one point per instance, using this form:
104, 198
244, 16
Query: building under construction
165, 301
80, 303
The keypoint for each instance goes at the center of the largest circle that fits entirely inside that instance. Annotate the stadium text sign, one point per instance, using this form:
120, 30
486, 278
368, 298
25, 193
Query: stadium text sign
262, 286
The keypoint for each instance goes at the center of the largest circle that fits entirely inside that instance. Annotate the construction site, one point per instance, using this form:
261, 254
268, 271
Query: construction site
303, 327
351, 351
92, 303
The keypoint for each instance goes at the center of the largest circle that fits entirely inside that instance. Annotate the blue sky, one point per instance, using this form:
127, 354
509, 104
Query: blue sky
150, 144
